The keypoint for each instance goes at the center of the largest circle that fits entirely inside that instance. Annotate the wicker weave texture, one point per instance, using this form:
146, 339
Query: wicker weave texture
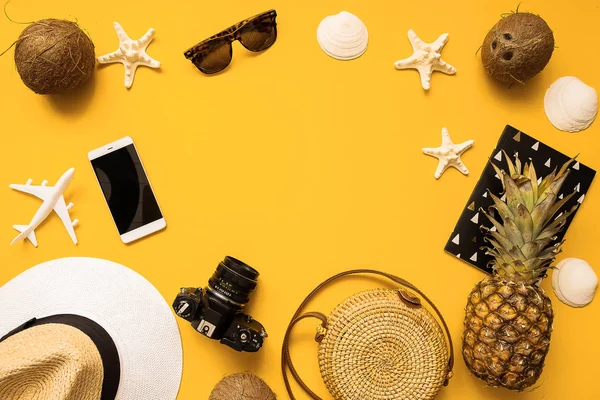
378, 348
50, 362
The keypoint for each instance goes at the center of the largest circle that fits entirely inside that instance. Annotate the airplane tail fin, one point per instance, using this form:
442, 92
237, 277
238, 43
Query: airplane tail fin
25, 234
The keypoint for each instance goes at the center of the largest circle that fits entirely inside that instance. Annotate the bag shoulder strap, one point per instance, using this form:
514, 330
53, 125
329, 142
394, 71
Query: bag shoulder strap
286, 360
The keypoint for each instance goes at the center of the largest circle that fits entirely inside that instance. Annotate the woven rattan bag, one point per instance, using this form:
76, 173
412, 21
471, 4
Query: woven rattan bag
379, 344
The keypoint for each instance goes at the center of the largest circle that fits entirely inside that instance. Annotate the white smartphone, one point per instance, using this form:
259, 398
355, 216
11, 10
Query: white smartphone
127, 190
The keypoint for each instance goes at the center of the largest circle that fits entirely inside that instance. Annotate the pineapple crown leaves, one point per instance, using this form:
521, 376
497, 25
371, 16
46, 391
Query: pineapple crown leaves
523, 243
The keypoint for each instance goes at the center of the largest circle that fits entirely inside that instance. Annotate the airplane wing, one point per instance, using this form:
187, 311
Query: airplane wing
63, 213
39, 191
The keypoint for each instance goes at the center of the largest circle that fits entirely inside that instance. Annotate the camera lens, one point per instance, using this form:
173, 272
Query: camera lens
234, 281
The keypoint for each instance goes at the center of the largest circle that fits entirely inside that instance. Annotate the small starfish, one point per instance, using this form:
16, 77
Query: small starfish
449, 154
426, 58
132, 53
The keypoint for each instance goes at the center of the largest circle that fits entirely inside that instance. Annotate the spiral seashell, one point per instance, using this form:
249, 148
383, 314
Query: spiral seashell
570, 104
343, 36
574, 282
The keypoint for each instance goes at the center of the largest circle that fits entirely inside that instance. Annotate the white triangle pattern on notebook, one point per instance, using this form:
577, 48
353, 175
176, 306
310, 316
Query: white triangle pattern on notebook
466, 237
456, 239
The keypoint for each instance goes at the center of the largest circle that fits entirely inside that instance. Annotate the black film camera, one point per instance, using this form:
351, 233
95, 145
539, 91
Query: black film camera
216, 310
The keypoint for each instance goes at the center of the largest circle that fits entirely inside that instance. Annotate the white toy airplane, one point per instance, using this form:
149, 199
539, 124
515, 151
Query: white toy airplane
53, 200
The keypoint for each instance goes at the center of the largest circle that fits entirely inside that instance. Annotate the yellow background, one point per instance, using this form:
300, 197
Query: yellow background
298, 164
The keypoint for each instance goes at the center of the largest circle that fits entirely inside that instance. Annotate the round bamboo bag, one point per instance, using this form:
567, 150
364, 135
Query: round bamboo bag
379, 344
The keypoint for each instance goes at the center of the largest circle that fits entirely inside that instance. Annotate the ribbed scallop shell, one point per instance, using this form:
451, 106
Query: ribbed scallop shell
343, 36
570, 104
574, 282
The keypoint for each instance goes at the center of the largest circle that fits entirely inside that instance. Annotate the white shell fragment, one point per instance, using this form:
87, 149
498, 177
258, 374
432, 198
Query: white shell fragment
131, 53
448, 154
574, 282
343, 36
570, 104
426, 58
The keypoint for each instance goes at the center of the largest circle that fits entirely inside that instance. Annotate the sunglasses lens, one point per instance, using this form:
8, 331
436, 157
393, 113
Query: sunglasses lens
214, 59
259, 35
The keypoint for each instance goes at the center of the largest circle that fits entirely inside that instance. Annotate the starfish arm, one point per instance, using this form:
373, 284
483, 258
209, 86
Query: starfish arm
440, 43
415, 41
149, 61
409, 62
145, 40
115, 56
129, 74
461, 167
444, 67
428, 150
446, 141
442, 166
464, 146
425, 72
121, 33
432, 151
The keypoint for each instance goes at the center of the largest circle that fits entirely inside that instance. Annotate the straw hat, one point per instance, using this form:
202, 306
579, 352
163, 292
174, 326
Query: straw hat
86, 329
64, 361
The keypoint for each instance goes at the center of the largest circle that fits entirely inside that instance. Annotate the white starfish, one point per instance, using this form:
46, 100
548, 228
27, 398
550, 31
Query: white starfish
449, 154
426, 58
132, 53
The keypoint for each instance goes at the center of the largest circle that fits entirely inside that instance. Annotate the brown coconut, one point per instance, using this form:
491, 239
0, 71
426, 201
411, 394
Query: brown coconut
54, 56
517, 48
242, 386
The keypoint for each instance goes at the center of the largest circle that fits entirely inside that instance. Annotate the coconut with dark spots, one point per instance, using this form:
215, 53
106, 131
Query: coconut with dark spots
517, 48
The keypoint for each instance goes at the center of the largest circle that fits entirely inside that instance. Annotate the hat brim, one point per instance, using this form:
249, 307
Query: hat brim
123, 302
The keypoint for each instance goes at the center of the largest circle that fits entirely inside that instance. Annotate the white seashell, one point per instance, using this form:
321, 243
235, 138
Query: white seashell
343, 36
574, 282
570, 104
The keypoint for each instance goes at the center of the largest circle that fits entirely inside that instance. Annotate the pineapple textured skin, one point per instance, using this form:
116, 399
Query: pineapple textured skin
508, 319
507, 332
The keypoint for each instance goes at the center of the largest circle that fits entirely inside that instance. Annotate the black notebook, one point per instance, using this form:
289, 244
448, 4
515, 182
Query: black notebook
467, 238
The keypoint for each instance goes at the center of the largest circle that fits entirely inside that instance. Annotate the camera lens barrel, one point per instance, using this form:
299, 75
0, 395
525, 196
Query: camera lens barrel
234, 281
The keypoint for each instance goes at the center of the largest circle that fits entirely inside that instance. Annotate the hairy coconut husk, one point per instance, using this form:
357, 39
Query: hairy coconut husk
54, 56
517, 48
242, 386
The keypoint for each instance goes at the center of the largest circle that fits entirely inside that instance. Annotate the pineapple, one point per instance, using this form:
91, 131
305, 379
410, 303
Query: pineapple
508, 318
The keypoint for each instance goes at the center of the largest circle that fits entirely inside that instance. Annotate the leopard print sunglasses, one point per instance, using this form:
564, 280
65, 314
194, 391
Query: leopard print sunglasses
214, 54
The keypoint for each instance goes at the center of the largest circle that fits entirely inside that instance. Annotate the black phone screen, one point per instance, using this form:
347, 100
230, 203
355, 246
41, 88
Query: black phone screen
126, 189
